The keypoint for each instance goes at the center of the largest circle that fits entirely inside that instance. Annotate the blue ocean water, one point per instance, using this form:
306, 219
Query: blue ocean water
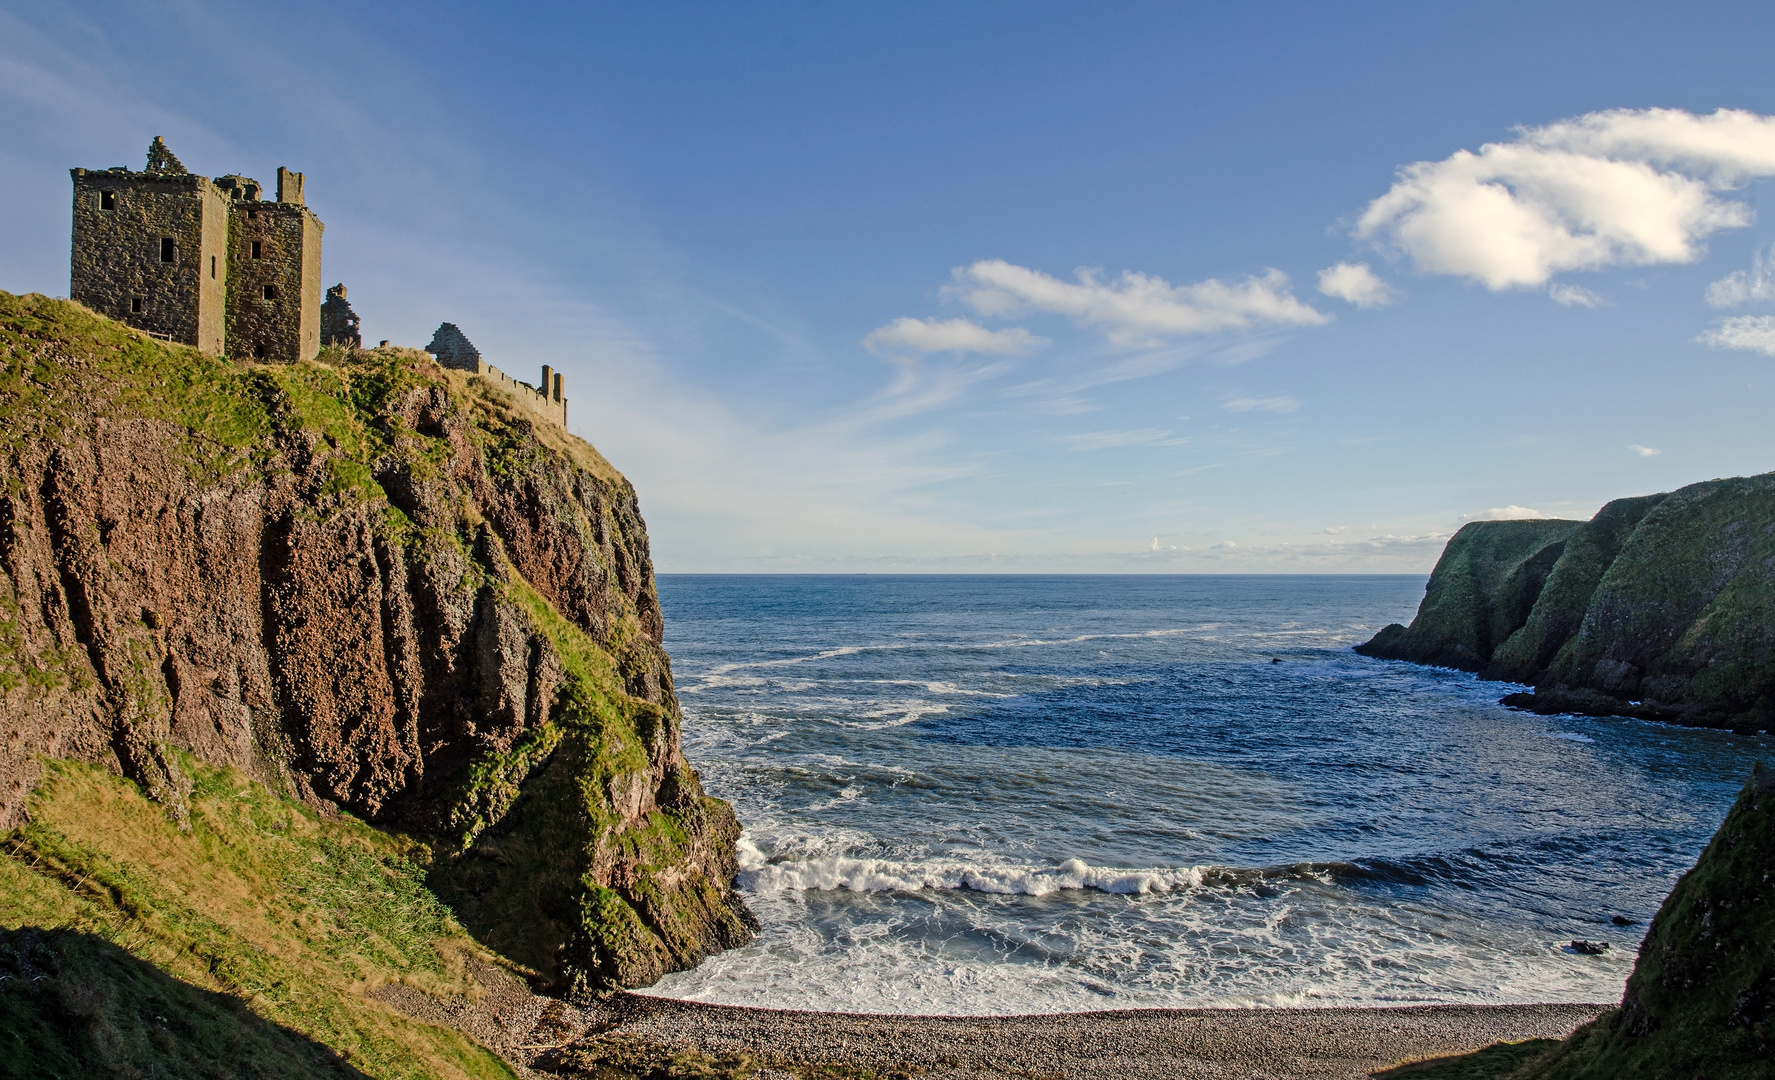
999, 795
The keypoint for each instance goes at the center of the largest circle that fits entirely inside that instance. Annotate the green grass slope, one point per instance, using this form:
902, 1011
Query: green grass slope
245, 945
1558, 612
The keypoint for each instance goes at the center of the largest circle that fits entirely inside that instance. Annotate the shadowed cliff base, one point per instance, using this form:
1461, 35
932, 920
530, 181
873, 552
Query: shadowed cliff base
374, 586
74, 1005
1660, 607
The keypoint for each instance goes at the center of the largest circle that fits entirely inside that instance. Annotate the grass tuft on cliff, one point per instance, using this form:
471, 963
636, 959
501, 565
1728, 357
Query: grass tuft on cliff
245, 946
65, 364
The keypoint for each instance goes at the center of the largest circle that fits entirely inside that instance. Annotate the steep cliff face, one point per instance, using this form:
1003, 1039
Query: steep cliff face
374, 585
1661, 606
1482, 589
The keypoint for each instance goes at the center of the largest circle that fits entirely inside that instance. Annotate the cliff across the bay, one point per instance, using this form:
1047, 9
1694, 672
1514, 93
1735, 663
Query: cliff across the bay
1661, 606
374, 586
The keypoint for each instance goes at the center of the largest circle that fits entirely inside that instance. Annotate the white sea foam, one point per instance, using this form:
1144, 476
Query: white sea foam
764, 876
904, 867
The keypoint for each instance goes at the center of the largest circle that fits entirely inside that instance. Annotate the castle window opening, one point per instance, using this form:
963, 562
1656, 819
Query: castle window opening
107, 200
258, 250
168, 252
271, 292
135, 305
212, 267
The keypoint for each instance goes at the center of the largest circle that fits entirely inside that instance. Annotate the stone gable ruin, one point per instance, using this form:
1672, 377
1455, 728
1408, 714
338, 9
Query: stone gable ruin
452, 349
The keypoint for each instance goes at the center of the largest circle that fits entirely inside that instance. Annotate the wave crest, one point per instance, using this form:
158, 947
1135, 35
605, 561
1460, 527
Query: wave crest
884, 875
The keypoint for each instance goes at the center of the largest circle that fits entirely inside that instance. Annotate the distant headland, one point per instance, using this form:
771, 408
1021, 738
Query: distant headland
1660, 607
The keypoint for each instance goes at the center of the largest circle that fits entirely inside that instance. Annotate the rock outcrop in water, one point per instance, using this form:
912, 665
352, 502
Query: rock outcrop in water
1661, 606
374, 585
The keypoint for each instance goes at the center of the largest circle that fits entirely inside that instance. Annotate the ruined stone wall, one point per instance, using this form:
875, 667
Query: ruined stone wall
274, 286
551, 406
308, 315
339, 325
148, 250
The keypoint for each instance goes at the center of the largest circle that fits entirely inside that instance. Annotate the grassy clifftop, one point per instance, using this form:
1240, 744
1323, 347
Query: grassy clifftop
1661, 606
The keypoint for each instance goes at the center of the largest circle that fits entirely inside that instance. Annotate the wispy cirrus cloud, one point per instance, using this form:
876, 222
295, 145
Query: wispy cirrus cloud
1752, 333
1625, 187
1744, 286
1134, 308
950, 335
1281, 404
1110, 440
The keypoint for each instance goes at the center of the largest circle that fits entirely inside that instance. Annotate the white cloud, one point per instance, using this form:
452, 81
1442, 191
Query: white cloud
1268, 404
1109, 440
950, 335
1357, 284
1619, 188
1134, 308
1504, 513
1645, 451
1744, 286
1755, 333
1576, 296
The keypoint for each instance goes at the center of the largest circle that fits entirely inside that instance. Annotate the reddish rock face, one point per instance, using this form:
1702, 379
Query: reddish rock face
376, 587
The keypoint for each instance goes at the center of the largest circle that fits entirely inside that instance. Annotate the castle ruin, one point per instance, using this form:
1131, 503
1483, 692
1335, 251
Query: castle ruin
453, 350
210, 263
202, 262
339, 325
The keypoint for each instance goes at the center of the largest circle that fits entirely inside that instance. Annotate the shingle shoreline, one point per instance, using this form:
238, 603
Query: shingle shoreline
1123, 1045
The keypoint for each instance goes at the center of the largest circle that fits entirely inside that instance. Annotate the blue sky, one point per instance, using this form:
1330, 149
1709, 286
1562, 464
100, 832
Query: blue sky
1022, 286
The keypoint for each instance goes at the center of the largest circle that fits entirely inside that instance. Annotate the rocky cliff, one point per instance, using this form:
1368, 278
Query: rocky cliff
1661, 606
1701, 999
373, 585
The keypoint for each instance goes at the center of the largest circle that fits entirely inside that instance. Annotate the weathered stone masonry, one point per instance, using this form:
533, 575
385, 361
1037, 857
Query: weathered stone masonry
210, 263
201, 262
339, 325
452, 349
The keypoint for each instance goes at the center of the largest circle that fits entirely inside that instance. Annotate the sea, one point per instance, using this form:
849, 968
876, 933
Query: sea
997, 795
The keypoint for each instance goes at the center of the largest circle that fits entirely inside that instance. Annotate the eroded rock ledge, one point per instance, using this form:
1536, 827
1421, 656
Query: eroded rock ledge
1661, 607
372, 584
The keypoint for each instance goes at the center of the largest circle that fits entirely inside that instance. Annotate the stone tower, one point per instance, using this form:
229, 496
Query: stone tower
339, 325
207, 263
